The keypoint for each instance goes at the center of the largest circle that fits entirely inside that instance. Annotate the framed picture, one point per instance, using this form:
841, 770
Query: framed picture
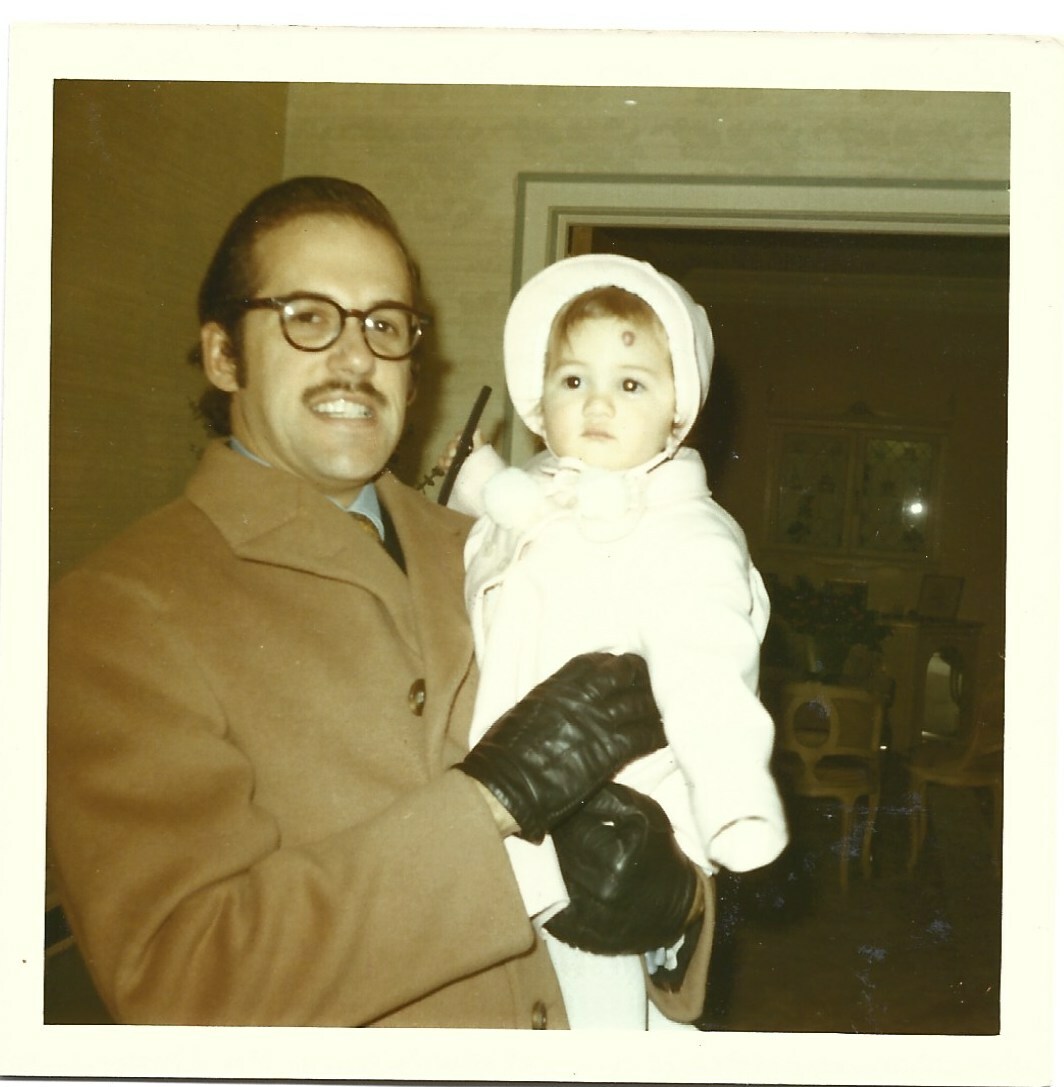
940, 596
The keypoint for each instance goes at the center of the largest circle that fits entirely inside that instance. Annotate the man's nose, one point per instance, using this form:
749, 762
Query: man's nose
351, 353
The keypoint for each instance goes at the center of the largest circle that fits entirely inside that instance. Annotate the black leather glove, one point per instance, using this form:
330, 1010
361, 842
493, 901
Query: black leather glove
566, 737
630, 885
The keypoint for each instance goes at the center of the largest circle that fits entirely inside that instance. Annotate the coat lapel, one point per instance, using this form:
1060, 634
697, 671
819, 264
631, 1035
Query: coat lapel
273, 517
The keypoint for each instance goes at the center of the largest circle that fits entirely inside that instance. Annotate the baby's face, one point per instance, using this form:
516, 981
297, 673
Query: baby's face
609, 396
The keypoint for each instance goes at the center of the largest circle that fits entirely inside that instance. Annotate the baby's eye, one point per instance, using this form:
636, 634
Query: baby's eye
630, 385
570, 381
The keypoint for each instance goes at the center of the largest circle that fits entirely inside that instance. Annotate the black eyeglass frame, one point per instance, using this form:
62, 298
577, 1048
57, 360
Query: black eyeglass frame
421, 320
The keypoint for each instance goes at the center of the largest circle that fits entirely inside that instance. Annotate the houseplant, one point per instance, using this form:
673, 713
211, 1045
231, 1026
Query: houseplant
832, 620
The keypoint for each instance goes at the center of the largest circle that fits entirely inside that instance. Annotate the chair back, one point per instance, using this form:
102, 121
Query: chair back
986, 741
982, 738
987, 730
823, 724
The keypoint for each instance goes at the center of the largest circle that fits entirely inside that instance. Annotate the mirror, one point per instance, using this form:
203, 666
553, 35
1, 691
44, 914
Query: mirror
942, 693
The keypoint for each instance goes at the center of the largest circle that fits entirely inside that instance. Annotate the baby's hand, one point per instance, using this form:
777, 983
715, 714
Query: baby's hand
447, 457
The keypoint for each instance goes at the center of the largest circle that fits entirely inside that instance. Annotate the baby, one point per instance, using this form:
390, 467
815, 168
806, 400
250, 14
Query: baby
610, 540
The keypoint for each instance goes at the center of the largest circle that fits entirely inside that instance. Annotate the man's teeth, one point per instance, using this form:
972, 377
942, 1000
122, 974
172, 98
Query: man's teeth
343, 409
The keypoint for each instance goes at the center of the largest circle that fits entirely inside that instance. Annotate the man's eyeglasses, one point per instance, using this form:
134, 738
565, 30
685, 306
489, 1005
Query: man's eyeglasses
313, 322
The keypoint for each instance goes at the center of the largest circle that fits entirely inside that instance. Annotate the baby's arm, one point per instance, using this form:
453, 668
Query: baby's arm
701, 634
480, 466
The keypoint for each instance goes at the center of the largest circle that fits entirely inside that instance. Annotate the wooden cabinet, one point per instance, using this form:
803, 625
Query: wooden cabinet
934, 665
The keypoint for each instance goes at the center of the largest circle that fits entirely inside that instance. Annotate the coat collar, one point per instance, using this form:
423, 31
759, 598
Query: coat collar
270, 516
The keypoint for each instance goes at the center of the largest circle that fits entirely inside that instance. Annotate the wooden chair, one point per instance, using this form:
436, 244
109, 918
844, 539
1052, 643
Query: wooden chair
828, 746
975, 762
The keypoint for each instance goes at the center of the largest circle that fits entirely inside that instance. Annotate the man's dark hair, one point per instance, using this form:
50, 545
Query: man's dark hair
232, 273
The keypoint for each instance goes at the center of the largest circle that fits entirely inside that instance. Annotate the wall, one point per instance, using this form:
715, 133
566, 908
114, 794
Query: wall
446, 160
146, 177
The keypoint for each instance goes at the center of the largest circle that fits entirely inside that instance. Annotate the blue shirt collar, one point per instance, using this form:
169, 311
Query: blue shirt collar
367, 503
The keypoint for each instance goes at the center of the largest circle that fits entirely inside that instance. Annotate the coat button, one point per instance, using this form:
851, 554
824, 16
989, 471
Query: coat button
416, 697
539, 1015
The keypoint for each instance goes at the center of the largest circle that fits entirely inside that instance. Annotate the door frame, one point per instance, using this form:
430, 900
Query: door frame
549, 205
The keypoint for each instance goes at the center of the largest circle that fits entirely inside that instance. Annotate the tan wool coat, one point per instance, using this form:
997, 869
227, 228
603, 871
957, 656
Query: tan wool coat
253, 719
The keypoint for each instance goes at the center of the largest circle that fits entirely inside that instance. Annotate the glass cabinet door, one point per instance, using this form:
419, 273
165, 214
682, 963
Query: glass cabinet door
813, 476
846, 489
895, 500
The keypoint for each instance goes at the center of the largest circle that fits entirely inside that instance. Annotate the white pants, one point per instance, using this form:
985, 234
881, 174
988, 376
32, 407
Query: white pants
605, 991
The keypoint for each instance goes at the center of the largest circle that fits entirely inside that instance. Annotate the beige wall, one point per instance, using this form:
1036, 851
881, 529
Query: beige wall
446, 160
146, 176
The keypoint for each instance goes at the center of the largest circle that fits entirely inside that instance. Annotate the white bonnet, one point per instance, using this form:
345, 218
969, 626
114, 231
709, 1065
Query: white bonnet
537, 303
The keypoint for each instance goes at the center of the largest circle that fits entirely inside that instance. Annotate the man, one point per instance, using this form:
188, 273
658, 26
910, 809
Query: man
261, 805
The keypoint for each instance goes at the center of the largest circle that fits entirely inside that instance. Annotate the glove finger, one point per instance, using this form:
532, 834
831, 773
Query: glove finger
566, 737
596, 844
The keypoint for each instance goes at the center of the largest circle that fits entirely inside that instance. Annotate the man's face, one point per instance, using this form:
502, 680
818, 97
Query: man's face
608, 395
333, 417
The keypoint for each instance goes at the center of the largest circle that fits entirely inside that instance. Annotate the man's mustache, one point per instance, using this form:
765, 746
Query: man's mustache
362, 388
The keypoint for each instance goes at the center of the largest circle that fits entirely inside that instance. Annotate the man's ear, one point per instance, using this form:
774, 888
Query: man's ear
219, 358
